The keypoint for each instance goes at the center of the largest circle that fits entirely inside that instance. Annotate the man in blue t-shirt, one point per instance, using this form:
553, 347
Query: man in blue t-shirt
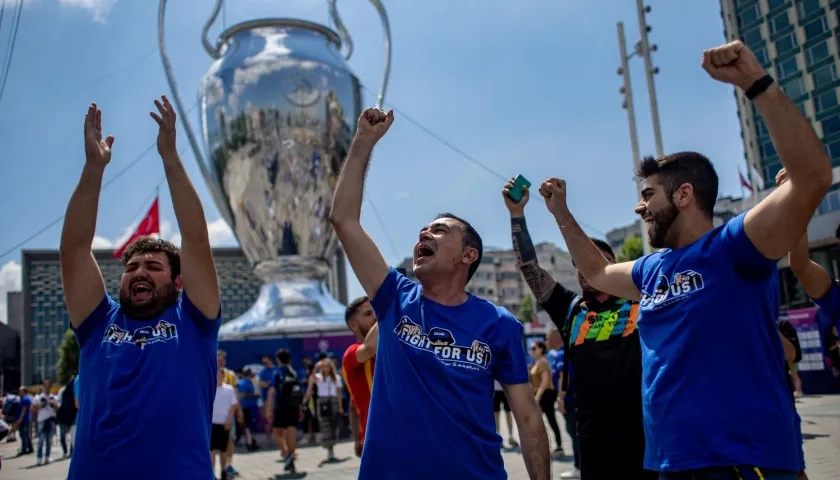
150, 357
249, 401
439, 350
709, 298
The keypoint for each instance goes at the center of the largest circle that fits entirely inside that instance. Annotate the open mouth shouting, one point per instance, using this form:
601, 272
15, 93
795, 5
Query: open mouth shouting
424, 251
141, 290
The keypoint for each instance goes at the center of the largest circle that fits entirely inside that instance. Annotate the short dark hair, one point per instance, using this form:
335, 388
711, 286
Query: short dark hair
471, 239
283, 356
541, 345
152, 245
603, 246
354, 307
684, 167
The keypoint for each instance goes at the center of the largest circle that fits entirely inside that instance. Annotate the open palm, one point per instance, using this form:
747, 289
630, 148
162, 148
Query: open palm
97, 150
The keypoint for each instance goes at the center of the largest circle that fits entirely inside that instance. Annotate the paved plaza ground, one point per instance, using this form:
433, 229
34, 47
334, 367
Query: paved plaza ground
820, 426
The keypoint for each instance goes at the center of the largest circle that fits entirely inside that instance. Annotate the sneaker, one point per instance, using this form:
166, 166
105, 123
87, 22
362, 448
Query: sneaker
558, 452
288, 460
513, 443
38, 462
573, 473
231, 471
290, 467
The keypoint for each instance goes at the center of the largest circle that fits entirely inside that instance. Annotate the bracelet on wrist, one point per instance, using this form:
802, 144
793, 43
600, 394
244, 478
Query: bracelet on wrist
760, 86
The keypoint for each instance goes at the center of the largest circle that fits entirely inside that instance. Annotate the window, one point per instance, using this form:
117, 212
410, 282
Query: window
816, 53
816, 28
767, 150
824, 101
794, 88
787, 68
825, 75
753, 37
761, 128
779, 22
786, 44
773, 4
833, 150
761, 56
831, 125
749, 15
808, 7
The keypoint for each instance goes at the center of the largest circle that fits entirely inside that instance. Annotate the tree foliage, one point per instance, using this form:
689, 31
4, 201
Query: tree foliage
526, 309
68, 358
631, 249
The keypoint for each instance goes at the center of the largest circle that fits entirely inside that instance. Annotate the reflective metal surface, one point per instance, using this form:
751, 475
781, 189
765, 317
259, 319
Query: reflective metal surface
278, 113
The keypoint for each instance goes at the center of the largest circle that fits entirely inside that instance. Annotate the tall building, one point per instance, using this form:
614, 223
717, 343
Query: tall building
498, 278
45, 317
797, 42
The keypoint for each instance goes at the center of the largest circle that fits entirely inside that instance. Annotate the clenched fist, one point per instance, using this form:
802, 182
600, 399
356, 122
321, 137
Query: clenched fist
553, 192
733, 63
373, 124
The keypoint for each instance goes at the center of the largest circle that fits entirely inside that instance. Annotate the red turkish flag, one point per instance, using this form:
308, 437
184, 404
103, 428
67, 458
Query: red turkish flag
149, 225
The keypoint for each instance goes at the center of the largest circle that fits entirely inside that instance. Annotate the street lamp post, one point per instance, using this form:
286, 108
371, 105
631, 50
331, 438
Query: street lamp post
627, 92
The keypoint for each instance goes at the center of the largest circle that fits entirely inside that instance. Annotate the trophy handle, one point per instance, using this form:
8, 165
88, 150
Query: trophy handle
213, 51
347, 40
224, 207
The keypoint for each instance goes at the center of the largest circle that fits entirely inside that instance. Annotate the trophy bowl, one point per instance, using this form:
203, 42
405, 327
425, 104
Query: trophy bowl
278, 110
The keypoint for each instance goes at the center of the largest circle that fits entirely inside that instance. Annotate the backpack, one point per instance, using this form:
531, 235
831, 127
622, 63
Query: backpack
296, 395
66, 414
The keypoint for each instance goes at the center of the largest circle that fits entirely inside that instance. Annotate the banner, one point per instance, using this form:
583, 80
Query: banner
808, 331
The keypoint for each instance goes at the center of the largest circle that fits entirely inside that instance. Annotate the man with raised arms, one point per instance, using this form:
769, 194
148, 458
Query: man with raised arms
150, 357
709, 299
439, 348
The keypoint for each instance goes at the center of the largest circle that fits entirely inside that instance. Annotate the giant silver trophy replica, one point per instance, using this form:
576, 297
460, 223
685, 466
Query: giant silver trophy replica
278, 112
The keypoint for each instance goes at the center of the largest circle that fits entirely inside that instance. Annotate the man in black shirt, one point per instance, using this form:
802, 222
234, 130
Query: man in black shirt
284, 407
603, 350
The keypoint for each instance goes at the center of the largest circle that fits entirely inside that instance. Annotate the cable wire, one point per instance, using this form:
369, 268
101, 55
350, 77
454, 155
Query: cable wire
11, 49
385, 230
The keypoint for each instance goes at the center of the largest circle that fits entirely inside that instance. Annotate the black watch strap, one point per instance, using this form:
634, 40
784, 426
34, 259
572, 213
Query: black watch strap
759, 87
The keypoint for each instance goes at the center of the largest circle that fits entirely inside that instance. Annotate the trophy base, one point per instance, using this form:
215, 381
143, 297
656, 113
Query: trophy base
288, 308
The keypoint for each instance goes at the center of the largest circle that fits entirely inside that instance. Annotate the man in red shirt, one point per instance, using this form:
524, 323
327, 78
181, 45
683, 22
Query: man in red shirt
357, 364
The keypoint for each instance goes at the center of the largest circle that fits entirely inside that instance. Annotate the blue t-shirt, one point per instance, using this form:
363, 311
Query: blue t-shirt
25, 402
431, 411
713, 378
266, 375
76, 397
245, 387
830, 305
555, 361
147, 400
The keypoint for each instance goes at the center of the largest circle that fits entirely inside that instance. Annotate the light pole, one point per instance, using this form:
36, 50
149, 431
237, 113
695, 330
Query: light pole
627, 92
643, 49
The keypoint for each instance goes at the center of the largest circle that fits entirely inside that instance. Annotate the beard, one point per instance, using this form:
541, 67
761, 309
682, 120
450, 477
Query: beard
163, 297
662, 223
364, 331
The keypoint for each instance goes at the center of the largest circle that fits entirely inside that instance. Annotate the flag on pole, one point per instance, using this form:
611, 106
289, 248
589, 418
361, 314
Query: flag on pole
744, 182
148, 226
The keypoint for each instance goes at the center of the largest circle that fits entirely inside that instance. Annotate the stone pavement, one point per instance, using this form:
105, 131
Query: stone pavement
820, 426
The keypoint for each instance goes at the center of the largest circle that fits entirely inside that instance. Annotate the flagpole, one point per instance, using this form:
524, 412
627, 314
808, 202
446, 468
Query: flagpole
157, 199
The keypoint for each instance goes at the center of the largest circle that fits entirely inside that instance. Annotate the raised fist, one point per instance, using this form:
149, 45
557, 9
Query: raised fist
553, 192
733, 63
373, 123
97, 151
515, 208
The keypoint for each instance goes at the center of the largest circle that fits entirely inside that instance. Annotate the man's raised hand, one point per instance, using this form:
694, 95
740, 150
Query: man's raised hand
515, 208
553, 192
166, 122
97, 151
373, 124
733, 63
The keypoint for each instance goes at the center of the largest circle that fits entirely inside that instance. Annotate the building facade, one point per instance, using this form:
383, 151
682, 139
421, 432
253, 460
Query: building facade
44, 316
499, 280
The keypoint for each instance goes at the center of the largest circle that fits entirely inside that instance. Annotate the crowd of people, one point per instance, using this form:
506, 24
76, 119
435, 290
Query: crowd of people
636, 365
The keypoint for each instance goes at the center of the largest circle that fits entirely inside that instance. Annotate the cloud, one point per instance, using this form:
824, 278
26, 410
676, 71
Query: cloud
99, 8
9, 282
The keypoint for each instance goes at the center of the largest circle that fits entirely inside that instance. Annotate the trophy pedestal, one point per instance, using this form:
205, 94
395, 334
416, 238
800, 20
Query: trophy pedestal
288, 307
